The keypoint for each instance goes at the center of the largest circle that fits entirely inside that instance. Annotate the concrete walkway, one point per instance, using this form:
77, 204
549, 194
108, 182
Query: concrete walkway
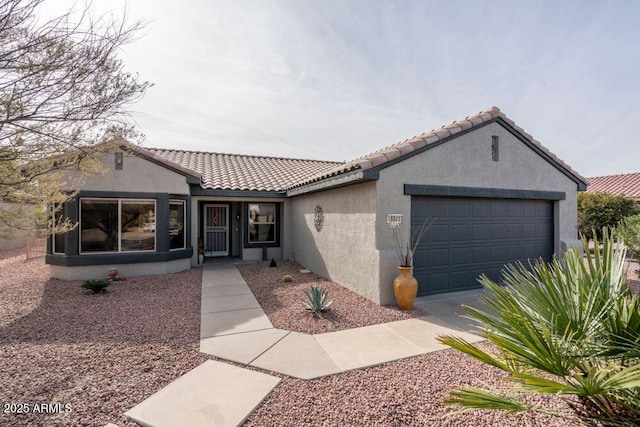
234, 327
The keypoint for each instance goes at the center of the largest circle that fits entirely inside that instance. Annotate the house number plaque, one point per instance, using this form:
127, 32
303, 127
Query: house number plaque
394, 220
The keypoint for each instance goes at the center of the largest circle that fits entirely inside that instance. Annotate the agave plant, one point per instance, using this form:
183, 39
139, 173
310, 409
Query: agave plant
317, 300
570, 328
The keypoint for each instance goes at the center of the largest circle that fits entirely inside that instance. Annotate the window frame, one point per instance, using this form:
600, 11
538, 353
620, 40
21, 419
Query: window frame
119, 201
277, 225
184, 223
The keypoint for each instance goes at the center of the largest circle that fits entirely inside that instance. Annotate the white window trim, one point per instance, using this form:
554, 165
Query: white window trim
155, 219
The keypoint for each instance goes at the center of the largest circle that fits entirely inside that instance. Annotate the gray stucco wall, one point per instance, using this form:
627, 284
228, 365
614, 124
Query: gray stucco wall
466, 162
344, 250
137, 174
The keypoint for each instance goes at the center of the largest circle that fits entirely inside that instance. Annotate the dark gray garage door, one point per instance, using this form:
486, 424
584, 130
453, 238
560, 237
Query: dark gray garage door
477, 236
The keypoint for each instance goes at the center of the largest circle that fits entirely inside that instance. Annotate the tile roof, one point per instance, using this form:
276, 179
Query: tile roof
394, 151
627, 184
242, 172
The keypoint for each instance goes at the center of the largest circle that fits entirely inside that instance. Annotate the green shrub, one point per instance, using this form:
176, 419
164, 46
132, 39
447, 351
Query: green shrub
599, 210
287, 278
628, 230
97, 285
317, 300
570, 328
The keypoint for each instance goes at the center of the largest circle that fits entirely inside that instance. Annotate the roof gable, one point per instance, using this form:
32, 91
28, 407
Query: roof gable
409, 147
627, 184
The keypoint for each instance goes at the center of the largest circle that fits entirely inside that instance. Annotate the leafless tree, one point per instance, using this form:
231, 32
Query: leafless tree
63, 96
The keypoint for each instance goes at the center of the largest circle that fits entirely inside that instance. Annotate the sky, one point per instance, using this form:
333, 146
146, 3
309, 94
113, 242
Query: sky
337, 79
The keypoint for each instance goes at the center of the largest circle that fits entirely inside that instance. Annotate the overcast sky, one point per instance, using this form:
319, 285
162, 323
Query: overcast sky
336, 79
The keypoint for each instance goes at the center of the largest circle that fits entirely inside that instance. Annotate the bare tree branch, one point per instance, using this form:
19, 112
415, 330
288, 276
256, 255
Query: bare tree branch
63, 92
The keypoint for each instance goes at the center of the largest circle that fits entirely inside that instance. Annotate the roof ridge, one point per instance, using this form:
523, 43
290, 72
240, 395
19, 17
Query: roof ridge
243, 155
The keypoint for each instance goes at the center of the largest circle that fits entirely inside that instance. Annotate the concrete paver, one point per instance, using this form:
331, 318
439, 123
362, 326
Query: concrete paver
423, 331
212, 394
233, 322
448, 307
228, 303
298, 355
367, 346
244, 347
225, 290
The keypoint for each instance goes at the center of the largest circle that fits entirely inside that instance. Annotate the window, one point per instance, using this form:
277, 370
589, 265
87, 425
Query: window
117, 225
176, 224
262, 223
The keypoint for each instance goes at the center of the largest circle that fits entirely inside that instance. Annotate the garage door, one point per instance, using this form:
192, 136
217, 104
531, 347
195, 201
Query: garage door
474, 236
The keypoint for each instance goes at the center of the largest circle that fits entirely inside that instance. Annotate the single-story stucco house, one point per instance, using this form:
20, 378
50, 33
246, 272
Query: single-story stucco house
495, 193
627, 184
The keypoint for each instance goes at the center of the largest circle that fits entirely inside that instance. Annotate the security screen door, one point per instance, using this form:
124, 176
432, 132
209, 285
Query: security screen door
216, 230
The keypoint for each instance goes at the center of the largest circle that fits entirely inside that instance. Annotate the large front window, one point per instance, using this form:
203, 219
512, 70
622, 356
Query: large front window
262, 223
117, 225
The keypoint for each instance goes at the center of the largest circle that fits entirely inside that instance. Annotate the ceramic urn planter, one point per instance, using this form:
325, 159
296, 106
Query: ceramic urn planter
405, 286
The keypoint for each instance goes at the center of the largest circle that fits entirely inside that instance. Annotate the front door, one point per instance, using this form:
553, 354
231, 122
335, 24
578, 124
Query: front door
216, 230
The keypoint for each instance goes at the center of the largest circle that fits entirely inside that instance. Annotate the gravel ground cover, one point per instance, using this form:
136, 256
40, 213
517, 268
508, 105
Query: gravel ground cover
103, 354
282, 301
98, 354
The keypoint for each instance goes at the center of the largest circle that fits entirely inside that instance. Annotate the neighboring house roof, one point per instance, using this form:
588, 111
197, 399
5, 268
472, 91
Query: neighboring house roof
627, 184
256, 173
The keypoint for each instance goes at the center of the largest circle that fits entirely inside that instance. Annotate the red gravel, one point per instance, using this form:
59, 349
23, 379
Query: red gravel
103, 354
100, 354
282, 301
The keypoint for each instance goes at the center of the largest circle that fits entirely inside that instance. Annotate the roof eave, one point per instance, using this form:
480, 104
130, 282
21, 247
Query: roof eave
342, 180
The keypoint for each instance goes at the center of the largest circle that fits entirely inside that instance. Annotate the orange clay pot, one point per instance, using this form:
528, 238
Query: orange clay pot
405, 286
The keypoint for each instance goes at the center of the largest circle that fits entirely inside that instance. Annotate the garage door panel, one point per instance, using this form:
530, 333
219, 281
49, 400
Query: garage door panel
496, 253
514, 210
471, 237
479, 210
529, 230
438, 257
460, 232
514, 231
459, 256
438, 233
513, 253
496, 231
497, 209
459, 209
478, 255
479, 232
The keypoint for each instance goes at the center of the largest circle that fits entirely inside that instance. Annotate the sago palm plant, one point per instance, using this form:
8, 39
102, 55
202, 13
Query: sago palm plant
570, 328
